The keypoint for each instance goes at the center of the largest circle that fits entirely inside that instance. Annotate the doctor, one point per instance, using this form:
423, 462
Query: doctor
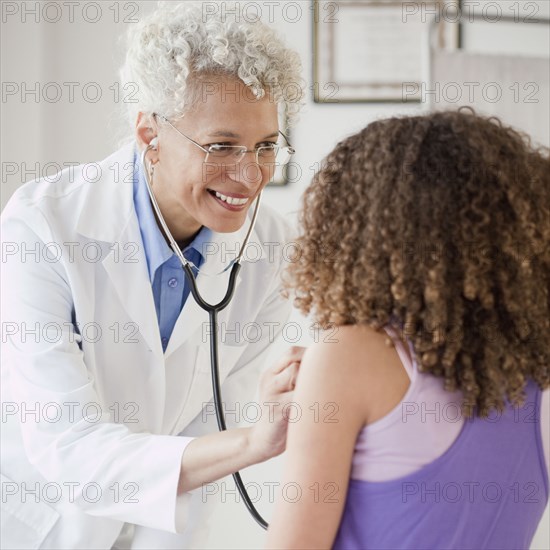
107, 429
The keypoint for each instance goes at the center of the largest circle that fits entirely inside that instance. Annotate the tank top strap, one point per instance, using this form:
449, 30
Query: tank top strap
406, 356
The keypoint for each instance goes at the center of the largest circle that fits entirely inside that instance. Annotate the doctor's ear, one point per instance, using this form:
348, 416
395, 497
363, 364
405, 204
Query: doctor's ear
146, 130
154, 143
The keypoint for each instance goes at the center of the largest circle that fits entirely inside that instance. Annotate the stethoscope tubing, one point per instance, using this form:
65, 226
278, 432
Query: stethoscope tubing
212, 310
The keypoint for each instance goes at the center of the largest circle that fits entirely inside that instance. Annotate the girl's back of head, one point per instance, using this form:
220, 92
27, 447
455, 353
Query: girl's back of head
438, 225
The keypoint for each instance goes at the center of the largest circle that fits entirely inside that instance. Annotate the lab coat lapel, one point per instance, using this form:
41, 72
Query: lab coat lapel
130, 280
110, 200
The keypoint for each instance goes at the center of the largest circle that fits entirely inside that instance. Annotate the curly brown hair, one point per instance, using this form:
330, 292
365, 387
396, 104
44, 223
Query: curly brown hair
438, 226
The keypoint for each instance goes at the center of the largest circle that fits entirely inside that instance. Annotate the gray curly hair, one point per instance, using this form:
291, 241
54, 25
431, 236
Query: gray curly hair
180, 40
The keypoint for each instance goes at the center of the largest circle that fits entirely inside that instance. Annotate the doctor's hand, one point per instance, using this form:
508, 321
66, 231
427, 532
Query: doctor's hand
268, 436
215, 455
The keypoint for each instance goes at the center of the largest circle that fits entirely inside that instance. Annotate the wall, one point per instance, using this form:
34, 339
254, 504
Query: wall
38, 136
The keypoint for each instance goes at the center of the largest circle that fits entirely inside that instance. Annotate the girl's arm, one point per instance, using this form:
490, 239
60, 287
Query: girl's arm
341, 387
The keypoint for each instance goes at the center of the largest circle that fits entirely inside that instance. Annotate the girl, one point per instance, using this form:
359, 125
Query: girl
432, 232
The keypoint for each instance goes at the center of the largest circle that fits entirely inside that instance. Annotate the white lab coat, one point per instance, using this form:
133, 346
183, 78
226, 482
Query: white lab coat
101, 448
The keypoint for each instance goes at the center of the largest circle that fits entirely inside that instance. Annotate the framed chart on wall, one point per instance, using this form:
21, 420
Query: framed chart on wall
378, 50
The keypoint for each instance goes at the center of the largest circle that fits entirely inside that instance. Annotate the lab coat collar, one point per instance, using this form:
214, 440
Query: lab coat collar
108, 202
157, 250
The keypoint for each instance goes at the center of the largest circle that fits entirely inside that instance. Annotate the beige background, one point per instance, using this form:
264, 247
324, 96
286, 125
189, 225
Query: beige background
38, 136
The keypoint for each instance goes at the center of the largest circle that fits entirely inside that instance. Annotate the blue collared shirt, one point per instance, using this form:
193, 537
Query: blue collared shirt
168, 281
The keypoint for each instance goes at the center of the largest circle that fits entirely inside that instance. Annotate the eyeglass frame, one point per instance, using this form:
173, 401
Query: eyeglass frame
243, 148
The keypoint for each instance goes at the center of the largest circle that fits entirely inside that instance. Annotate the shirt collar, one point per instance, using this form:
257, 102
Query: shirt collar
156, 249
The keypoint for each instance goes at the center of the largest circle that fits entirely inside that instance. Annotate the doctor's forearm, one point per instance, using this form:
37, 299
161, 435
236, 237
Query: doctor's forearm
213, 456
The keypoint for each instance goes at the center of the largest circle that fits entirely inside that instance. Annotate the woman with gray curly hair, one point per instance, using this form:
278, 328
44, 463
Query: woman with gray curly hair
119, 379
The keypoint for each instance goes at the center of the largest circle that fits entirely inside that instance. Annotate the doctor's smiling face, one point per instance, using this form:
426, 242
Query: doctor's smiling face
186, 187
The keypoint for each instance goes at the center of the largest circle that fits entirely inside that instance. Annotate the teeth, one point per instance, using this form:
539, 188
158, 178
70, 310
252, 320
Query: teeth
231, 200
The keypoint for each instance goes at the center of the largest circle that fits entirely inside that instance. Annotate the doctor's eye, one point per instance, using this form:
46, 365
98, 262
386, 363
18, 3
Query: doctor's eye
224, 150
217, 145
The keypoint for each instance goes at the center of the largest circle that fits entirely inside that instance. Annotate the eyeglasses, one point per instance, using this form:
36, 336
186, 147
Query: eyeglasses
229, 155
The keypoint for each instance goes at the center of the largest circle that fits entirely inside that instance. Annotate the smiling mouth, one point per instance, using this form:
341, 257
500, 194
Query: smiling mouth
230, 201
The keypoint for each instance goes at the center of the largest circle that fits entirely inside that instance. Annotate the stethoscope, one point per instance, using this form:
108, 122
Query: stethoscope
212, 310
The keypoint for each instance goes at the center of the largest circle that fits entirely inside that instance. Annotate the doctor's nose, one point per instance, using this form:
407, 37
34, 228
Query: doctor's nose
247, 170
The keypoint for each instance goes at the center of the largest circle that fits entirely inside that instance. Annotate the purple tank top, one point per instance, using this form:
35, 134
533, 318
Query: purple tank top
488, 490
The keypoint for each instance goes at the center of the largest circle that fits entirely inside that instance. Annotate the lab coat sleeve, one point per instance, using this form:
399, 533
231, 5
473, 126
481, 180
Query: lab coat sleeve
101, 466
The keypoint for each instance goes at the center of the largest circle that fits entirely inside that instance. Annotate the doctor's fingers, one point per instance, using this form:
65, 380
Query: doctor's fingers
285, 380
295, 353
